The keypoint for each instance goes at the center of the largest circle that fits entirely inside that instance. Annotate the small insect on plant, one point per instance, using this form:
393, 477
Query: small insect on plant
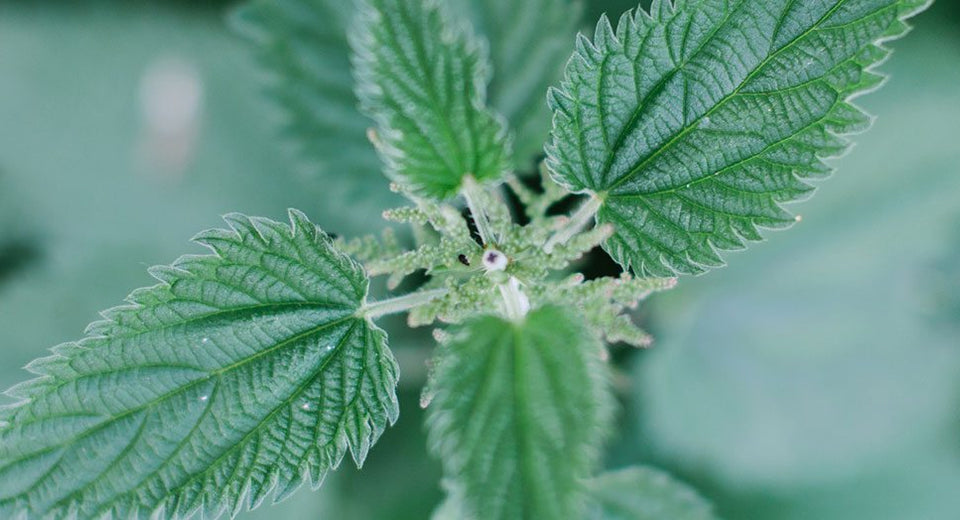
678, 131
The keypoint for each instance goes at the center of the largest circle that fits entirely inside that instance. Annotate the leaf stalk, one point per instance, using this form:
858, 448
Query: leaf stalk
400, 304
580, 219
471, 192
516, 304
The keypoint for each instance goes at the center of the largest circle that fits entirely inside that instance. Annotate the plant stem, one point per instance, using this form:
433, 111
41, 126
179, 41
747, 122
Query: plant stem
399, 304
515, 302
471, 192
576, 223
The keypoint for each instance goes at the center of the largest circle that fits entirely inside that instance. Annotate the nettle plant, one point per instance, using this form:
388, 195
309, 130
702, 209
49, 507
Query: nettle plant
247, 372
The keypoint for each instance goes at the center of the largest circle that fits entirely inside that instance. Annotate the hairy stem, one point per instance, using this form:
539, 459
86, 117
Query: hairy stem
577, 222
400, 304
471, 192
515, 302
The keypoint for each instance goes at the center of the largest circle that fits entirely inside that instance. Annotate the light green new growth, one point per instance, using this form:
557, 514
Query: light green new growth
640, 493
242, 373
468, 290
423, 78
518, 413
696, 122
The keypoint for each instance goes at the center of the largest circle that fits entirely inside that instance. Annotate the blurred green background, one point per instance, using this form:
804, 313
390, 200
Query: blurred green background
817, 377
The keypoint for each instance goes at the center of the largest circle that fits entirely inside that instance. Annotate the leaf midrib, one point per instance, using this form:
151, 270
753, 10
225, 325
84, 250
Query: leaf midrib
695, 123
725, 169
253, 431
209, 404
421, 54
658, 88
216, 314
521, 424
124, 332
215, 373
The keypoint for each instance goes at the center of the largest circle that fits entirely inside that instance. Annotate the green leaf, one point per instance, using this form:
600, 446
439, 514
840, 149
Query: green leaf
422, 78
793, 372
302, 45
519, 412
696, 122
529, 44
640, 493
241, 373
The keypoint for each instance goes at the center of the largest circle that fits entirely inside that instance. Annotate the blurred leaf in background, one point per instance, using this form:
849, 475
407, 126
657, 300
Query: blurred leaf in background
944, 283
19, 247
806, 380
302, 47
529, 43
642, 493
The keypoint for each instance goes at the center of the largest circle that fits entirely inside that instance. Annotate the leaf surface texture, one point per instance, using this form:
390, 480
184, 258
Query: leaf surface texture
422, 77
519, 411
696, 121
243, 372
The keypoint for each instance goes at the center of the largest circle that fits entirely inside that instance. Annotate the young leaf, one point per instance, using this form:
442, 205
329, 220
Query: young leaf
422, 78
519, 411
529, 44
241, 373
640, 493
696, 121
302, 44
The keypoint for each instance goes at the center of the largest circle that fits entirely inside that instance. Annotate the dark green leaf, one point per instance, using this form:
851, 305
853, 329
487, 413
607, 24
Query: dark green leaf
242, 373
696, 121
519, 412
422, 78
